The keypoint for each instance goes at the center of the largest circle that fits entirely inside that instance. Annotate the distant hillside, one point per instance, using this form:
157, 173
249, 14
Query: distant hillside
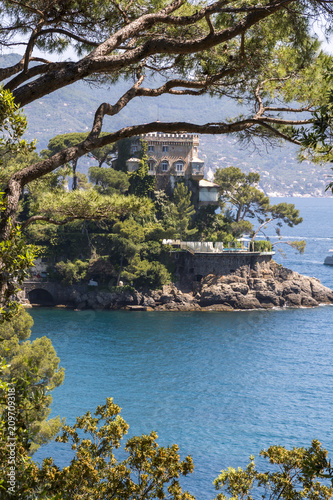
281, 173
72, 109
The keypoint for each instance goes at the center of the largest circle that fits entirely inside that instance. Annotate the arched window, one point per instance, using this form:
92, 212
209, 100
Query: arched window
179, 166
164, 165
151, 166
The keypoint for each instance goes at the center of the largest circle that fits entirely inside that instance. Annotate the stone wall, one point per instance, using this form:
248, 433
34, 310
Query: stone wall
193, 267
49, 294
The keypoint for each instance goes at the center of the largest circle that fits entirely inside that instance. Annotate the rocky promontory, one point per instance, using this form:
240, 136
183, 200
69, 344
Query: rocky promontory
274, 286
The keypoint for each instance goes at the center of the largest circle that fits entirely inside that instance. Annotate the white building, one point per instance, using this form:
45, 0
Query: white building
208, 193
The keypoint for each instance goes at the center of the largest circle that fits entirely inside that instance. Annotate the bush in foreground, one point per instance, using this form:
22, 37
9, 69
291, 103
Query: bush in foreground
150, 471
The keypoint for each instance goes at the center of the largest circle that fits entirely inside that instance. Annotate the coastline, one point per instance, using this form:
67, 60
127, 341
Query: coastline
245, 289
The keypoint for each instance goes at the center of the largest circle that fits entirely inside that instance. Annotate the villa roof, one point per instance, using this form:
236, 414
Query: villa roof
197, 160
207, 184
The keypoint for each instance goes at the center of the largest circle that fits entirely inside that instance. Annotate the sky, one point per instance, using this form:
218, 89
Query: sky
327, 43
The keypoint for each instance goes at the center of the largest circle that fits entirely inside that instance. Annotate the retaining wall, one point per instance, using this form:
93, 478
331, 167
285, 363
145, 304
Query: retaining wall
49, 293
193, 267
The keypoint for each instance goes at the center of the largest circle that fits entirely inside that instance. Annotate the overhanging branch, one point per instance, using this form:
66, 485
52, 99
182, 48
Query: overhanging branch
50, 220
100, 60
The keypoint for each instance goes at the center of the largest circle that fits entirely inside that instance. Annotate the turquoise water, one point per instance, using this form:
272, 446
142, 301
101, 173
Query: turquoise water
221, 385
317, 231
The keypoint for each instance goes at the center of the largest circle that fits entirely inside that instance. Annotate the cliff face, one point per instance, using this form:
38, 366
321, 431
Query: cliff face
273, 286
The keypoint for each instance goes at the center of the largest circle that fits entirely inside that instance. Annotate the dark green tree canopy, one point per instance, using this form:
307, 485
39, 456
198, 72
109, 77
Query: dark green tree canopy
241, 191
316, 140
261, 53
181, 212
63, 141
141, 183
108, 180
102, 155
240, 194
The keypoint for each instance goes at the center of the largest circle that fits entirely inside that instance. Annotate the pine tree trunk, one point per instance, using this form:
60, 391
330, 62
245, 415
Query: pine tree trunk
74, 165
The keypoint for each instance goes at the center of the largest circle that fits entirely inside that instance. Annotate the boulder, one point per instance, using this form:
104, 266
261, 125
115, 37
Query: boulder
293, 299
102, 300
271, 284
308, 301
137, 298
169, 306
248, 301
267, 297
217, 295
166, 298
233, 278
259, 284
321, 293
148, 301
155, 294
81, 305
305, 284
282, 273
209, 280
282, 301
239, 288
291, 288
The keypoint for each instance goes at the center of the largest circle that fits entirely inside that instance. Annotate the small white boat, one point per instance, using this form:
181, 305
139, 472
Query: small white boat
329, 259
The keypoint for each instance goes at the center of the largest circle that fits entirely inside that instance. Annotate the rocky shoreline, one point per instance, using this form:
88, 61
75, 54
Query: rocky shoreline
245, 289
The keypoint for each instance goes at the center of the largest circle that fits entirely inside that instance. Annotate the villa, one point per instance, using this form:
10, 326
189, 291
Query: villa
172, 157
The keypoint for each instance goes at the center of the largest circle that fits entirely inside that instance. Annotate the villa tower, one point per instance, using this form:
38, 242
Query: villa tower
172, 157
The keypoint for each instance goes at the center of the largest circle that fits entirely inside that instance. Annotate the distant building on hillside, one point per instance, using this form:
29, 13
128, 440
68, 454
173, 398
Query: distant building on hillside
172, 157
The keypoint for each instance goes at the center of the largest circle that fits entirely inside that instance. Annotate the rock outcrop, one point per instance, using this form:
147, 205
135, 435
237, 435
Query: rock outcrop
275, 286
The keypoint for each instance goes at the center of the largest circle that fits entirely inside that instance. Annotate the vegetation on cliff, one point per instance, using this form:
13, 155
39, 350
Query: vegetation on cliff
253, 52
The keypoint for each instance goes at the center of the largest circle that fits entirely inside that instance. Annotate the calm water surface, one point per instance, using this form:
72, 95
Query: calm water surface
221, 385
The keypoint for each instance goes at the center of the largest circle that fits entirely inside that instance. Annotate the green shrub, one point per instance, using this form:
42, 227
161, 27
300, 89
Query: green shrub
151, 250
262, 246
150, 275
101, 270
72, 272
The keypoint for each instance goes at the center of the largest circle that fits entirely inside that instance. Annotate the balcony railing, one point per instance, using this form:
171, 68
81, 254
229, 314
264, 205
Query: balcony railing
216, 247
198, 170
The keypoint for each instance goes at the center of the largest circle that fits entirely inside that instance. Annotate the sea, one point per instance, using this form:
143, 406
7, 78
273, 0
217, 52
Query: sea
222, 385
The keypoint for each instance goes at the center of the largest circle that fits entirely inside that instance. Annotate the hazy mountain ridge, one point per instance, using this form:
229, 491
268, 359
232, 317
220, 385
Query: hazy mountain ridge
280, 171
72, 109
